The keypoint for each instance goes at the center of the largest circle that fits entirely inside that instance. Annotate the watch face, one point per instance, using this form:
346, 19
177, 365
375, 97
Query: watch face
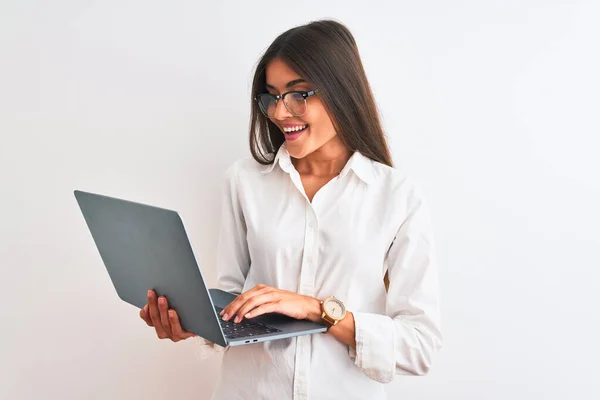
335, 308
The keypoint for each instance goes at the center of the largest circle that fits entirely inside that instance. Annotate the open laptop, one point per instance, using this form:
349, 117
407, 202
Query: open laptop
145, 247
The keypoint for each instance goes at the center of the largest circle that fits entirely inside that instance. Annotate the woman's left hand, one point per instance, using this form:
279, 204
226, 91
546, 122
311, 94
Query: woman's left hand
263, 299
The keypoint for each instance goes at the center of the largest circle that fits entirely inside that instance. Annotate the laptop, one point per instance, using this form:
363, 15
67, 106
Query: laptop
145, 247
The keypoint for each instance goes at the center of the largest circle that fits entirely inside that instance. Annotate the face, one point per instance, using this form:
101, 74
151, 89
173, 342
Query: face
319, 128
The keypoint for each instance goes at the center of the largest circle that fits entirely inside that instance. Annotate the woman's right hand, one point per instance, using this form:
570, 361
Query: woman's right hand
166, 322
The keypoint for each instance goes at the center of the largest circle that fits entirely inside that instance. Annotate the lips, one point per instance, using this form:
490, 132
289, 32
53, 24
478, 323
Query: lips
294, 135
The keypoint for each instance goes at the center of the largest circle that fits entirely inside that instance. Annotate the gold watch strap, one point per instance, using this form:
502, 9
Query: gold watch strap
325, 318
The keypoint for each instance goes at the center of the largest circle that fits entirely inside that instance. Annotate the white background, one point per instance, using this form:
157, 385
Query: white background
492, 105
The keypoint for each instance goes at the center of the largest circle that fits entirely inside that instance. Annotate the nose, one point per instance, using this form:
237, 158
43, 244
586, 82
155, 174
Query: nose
281, 111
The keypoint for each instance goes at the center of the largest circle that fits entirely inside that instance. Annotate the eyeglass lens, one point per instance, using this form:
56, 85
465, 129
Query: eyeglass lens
294, 102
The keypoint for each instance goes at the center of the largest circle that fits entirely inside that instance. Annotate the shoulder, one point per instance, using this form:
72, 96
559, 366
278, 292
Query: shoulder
397, 185
245, 169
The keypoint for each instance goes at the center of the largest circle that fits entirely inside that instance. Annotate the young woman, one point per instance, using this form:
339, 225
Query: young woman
318, 211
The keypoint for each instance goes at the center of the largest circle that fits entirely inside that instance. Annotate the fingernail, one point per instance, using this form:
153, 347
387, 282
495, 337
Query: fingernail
149, 293
247, 315
221, 313
225, 317
237, 319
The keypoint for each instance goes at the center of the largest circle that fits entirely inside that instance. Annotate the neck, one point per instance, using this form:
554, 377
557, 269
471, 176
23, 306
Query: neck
328, 160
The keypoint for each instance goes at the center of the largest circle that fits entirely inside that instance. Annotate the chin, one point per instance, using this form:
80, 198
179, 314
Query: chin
297, 153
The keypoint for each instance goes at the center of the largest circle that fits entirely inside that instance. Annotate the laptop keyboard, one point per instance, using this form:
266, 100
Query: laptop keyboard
244, 328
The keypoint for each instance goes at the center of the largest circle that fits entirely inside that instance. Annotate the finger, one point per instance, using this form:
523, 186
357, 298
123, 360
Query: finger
155, 315
178, 332
254, 302
163, 307
264, 309
239, 300
145, 316
234, 306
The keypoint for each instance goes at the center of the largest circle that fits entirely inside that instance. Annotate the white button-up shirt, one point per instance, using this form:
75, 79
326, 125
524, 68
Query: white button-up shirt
368, 220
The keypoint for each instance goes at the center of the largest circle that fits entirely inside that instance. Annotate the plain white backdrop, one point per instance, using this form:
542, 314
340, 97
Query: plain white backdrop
492, 105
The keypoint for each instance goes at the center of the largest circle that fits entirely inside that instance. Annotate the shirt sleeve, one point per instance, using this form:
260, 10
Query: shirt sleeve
233, 260
404, 340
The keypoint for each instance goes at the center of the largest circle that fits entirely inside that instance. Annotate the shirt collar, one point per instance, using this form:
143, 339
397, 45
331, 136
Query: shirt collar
361, 165
282, 158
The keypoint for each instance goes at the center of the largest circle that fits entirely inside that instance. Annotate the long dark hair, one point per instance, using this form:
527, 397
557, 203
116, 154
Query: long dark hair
325, 54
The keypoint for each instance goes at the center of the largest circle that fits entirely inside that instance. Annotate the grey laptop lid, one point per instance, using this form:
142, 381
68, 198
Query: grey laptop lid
145, 247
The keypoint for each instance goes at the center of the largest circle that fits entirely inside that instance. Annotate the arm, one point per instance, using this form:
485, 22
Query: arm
233, 258
343, 331
405, 340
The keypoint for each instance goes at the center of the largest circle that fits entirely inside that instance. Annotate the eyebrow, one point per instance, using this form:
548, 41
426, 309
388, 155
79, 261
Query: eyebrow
289, 84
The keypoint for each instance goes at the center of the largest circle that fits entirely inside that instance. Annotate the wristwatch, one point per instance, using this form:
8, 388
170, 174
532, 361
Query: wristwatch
333, 311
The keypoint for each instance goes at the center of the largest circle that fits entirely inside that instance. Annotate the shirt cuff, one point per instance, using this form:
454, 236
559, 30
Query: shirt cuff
206, 348
375, 353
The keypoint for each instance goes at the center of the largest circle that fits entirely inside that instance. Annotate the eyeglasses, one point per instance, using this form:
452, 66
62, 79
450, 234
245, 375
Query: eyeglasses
294, 101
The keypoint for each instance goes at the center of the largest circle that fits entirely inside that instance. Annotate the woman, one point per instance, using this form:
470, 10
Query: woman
319, 211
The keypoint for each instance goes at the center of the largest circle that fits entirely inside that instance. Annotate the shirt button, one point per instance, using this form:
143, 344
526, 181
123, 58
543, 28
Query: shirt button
311, 224
309, 259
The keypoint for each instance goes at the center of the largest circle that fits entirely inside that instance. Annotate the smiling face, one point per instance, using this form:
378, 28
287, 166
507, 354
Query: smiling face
320, 131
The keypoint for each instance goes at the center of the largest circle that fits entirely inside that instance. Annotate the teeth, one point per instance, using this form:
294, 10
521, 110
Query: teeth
295, 129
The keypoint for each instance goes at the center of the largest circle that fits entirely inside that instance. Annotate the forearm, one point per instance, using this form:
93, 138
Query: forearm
344, 331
